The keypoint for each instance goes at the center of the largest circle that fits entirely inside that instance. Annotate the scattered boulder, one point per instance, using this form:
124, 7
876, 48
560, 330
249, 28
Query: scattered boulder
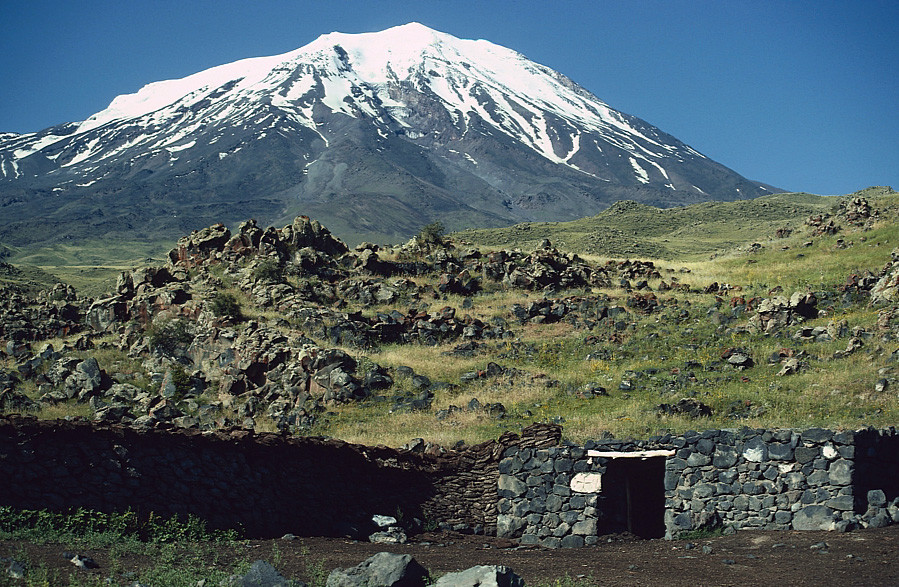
886, 290
481, 576
777, 312
261, 574
384, 569
686, 407
738, 358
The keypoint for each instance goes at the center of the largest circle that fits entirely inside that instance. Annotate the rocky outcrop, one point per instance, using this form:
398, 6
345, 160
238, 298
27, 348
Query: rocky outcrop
775, 313
886, 290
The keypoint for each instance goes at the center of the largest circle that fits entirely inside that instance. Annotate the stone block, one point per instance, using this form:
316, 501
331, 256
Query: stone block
584, 528
385, 569
783, 517
724, 459
520, 508
676, 464
703, 491
818, 477
510, 486
877, 498
588, 483
813, 517
481, 576
779, 451
706, 446
553, 503
509, 526
561, 490
817, 435
698, 459
683, 521
562, 465
573, 541
550, 542
806, 454
569, 517
840, 472
879, 519
755, 451
842, 503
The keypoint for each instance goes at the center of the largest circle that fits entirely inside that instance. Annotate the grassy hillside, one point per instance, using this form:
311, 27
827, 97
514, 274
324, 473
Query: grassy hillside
628, 229
625, 375
90, 266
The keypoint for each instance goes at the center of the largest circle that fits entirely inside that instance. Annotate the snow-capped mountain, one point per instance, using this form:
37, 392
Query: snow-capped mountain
376, 134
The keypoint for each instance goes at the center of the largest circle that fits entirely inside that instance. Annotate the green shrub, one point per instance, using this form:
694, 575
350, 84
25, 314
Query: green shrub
183, 383
266, 270
432, 234
170, 338
16, 524
225, 305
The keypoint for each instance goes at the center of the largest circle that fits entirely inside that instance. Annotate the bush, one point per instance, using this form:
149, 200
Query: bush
266, 270
170, 338
16, 524
225, 305
182, 380
432, 234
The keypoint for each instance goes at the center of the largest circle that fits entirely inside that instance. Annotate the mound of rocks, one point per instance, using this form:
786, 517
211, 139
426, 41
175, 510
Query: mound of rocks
774, 313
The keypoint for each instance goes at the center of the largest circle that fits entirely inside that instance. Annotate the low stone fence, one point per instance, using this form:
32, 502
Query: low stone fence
268, 484
519, 486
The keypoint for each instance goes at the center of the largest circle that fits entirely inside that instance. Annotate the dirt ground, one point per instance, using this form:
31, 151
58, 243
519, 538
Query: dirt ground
862, 557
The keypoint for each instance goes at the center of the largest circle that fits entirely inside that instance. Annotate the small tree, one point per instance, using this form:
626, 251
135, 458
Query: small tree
225, 305
267, 270
170, 338
432, 234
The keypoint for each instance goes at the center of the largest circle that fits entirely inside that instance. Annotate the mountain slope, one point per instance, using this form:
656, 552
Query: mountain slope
375, 133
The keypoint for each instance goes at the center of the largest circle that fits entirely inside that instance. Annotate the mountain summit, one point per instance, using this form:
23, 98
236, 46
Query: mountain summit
375, 134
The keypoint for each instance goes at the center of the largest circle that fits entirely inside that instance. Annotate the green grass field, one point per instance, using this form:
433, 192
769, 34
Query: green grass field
658, 358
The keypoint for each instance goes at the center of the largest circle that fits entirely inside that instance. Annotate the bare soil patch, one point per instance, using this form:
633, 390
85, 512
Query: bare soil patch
864, 557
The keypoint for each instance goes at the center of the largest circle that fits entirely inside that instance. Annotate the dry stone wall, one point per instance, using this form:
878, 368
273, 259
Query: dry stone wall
777, 480
269, 484
538, 502
519, 486
813, 479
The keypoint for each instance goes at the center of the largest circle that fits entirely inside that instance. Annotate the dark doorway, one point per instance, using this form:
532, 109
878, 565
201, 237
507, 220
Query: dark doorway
633, 497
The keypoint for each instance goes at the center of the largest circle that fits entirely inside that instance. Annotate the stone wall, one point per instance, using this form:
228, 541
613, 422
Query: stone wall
525, 487
268, 484
773, 480
536, 500
761, 479
568, 496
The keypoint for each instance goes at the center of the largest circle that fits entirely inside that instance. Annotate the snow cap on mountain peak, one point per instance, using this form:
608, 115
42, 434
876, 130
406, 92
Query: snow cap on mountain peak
400, 46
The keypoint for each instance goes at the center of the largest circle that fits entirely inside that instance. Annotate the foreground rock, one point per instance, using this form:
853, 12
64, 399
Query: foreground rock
384, 569
261, 574
481, 576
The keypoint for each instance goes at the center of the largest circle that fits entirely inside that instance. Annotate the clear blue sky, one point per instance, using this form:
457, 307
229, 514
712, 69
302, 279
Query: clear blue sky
801, 95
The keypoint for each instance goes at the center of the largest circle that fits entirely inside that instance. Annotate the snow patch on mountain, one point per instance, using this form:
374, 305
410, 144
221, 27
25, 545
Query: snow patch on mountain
407, 84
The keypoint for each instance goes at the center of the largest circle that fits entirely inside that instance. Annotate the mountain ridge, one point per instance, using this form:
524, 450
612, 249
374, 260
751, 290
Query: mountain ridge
426, 125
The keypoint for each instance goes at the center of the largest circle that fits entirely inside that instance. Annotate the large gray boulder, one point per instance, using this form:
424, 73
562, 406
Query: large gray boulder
481, 576
261, 574
384, 569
